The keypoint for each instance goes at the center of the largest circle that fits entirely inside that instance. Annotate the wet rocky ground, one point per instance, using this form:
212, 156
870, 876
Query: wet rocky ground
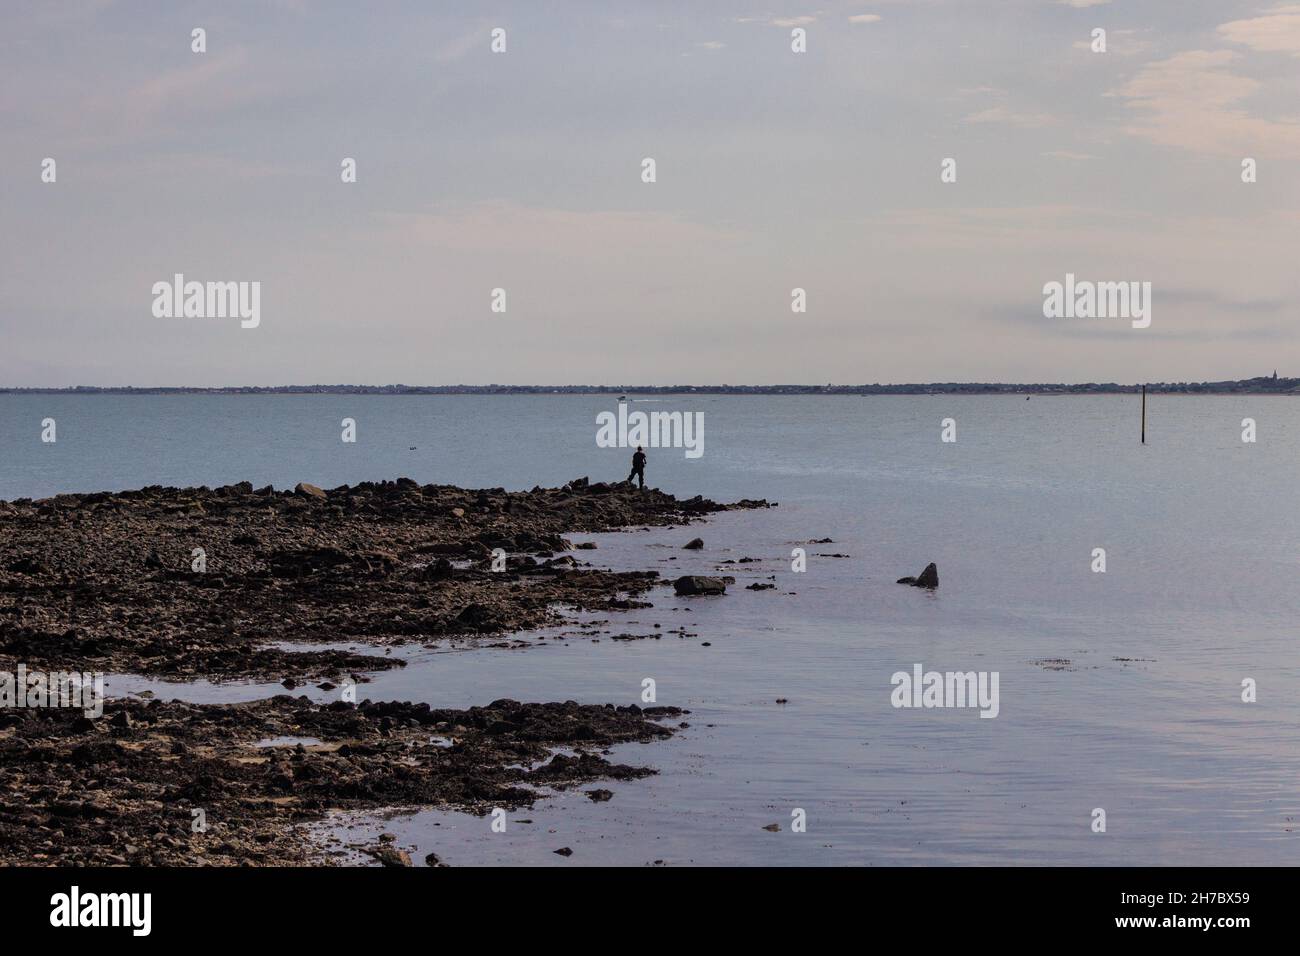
117, 583
170, 783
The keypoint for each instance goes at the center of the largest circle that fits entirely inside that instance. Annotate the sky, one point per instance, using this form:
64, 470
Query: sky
522, 170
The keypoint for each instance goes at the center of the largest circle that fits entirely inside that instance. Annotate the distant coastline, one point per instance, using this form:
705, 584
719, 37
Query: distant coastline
1250, 386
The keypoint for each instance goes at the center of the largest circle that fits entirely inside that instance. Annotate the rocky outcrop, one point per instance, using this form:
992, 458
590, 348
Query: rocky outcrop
112, 582
109, 581
694, 584
929, 578
119, 790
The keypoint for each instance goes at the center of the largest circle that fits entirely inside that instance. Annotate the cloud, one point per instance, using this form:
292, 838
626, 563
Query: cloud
1081, 4
1067, 154
1194, 101
1247, 305
711, 45
799, 21
217, 84
1001, 113
462, 46
865, 18
1278, 31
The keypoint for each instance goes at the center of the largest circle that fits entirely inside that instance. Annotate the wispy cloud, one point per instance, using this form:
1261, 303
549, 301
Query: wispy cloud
1006, 116
462, 45
1277, 31
1194, 101
770, 20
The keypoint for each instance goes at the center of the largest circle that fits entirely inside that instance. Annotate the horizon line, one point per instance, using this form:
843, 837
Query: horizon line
1274, 380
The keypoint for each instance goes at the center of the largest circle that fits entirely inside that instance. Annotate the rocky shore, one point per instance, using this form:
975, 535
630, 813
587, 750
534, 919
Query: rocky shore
220, 584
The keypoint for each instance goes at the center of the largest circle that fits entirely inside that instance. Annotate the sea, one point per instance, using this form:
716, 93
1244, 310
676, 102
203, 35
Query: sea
1147, 713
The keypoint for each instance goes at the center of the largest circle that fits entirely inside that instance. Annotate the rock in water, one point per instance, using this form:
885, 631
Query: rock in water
391, 856
929, 578
695, 544
691, 584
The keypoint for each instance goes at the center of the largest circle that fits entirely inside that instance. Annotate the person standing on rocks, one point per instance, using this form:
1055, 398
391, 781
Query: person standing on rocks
638, 467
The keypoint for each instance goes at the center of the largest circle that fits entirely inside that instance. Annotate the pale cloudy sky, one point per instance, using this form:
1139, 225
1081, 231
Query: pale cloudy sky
775, 170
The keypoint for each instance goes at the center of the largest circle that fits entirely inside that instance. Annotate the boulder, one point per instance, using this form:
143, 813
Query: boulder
929, 578
692, 584
476, 617
390, 856
308, 491
695, 544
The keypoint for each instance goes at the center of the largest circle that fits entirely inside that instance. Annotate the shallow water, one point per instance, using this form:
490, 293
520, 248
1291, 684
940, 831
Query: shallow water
1146, 720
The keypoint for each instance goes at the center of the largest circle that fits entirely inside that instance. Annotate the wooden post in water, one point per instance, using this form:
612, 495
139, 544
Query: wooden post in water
1144, 414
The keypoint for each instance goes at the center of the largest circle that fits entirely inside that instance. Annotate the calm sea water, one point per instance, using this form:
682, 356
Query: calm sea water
1146, 721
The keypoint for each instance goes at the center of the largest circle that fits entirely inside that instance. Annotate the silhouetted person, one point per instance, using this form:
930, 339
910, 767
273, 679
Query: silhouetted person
638, 467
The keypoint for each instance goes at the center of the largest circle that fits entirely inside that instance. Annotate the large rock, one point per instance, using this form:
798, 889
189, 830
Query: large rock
695, 544
929, 578
476, 617
693, 584
308, 491
391, 856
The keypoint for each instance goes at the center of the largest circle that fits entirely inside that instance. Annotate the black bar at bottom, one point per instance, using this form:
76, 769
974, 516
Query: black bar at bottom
211, 905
